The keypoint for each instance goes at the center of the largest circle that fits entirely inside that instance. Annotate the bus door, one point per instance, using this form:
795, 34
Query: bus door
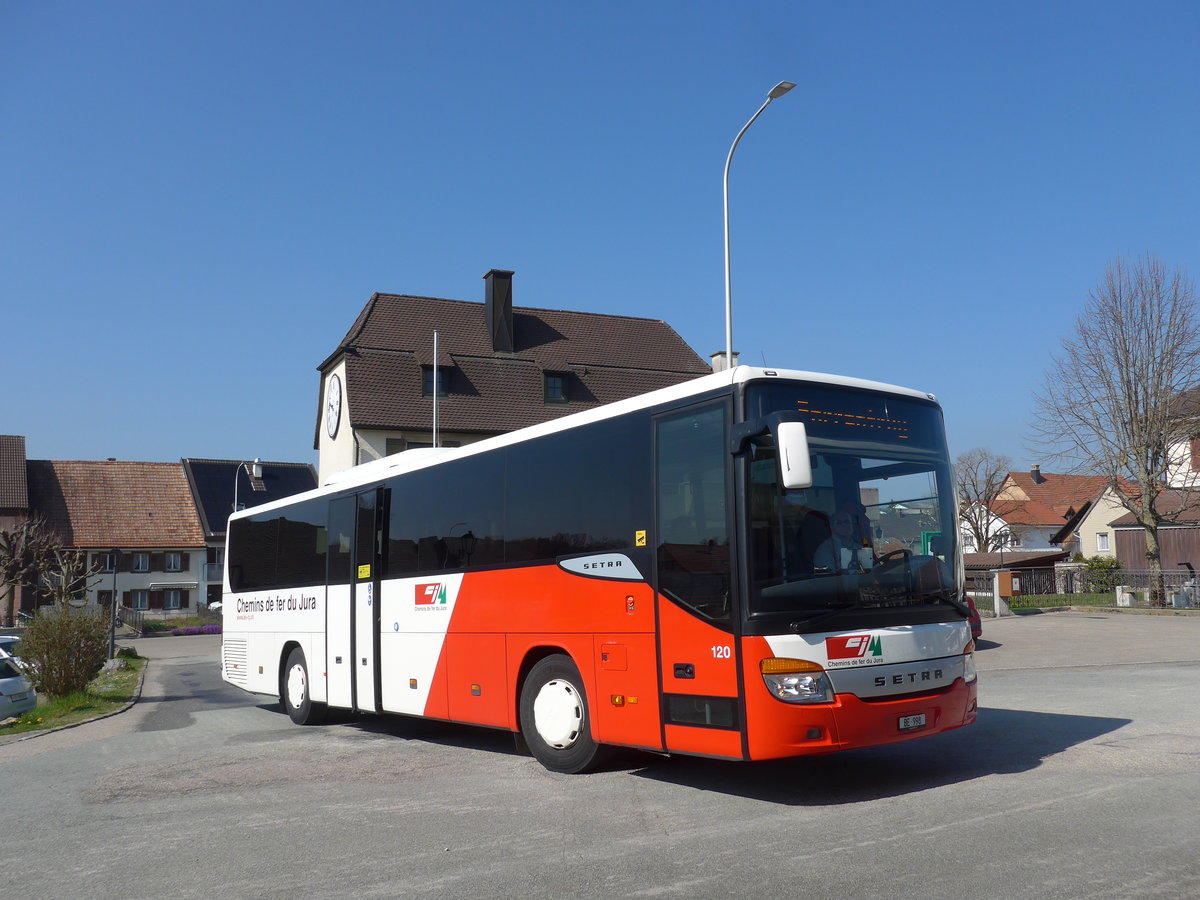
352, 615
368, 544
698, 651
339, 644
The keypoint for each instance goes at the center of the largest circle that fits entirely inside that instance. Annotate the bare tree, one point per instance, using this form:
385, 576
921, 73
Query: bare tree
978, 475
24, 553
67, 575
1113, 403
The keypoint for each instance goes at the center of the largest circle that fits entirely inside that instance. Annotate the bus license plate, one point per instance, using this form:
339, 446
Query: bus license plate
912, 723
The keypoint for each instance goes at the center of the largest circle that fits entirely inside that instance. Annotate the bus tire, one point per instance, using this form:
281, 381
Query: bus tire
295, 692
555, 719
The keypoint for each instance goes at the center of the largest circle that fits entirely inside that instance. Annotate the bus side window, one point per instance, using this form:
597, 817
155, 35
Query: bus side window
342, 512
693, 535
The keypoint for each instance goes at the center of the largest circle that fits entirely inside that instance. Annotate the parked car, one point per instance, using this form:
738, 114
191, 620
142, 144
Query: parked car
16, 693
10, 644
976, 622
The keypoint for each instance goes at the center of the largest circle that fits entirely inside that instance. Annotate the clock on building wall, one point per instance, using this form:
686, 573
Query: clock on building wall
333, 405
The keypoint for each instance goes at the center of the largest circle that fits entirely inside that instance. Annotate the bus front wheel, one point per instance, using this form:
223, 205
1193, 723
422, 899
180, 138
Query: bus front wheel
295, 695
555, 720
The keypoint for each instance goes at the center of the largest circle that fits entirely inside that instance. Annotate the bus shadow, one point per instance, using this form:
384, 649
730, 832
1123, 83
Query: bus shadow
1002, 741
429, 731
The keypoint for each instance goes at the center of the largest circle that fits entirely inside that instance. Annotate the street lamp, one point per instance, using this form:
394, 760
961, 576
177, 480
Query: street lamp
113, 555
254, 471
778, 91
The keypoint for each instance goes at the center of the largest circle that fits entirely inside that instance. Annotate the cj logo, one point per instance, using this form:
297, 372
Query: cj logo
431, 594
854, 646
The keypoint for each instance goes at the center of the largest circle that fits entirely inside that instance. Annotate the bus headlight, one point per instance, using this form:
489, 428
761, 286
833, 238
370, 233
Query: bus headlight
796, 680
969, 673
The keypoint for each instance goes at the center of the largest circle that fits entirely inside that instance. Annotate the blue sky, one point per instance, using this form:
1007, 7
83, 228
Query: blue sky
197, 198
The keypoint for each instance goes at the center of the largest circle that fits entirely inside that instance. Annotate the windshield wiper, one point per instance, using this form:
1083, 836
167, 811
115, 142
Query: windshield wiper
803, 626
963, 609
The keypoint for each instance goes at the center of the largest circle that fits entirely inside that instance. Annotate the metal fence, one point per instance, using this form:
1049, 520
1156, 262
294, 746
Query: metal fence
1076, 586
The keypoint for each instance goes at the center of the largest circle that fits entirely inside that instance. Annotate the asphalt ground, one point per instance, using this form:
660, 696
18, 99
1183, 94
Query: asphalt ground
1079, 780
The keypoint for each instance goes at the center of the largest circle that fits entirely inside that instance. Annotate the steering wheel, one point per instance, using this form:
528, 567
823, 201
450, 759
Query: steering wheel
901, 552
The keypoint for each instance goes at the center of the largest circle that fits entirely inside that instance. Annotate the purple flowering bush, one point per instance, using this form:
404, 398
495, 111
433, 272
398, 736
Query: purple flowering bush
198, 629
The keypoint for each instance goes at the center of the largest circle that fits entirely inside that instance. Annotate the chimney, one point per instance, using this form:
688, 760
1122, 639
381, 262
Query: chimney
498, 309
1035, 472
718, 360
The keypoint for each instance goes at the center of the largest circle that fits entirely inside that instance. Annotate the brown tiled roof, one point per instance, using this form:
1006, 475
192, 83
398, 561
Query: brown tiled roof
483, 395
1027, 512
1048, 502
1180, 508
1029, 559
14, 492
606, 358
115, 504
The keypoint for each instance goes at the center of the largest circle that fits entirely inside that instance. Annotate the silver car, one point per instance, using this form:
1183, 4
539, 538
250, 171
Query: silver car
9, 644
16, 693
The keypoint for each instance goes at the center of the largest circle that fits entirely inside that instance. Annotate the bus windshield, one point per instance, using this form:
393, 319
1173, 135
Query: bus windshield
875, 534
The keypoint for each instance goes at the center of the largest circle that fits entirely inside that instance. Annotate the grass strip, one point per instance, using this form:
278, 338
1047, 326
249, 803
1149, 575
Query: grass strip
107, 693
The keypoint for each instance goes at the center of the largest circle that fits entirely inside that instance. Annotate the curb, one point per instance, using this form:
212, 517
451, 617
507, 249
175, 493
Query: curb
1121, 610
137, 695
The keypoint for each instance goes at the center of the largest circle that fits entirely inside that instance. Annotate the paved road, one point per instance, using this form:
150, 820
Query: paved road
1080, 780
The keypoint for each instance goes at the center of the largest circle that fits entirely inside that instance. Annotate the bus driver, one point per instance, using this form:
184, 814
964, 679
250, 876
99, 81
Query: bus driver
845, 550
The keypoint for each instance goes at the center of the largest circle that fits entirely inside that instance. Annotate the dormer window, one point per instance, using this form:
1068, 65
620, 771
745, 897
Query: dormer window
556, 387
427, 381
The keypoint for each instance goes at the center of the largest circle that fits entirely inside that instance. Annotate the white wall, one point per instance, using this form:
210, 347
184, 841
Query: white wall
337, 453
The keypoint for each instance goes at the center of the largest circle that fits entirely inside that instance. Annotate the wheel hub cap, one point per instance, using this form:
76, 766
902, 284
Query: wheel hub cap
558, 714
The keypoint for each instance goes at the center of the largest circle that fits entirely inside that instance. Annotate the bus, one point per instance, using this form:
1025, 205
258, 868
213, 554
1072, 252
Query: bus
751, 565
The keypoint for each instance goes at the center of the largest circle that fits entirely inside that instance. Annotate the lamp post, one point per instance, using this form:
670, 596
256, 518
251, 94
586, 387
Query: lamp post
778, 91
254, 470
113, 555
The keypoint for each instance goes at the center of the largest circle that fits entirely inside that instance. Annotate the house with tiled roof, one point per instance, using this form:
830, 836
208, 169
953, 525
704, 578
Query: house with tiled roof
497, 367
14, 509
1183, 472
1178, 538
1042, 511
143, 511
14, 491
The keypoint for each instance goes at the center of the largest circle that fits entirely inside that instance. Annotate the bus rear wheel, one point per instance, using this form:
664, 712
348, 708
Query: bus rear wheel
555, 720
295, 694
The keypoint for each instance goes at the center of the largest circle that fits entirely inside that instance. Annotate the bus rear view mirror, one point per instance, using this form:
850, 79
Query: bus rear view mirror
795, 466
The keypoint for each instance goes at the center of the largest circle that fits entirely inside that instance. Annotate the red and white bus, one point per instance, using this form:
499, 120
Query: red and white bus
751, 565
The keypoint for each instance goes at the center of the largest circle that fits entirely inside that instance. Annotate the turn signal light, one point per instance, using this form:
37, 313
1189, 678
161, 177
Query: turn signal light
781, 665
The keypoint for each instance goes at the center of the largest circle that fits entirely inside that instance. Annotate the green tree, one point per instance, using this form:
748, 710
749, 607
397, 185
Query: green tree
66, 643
1101, 574
65, 647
